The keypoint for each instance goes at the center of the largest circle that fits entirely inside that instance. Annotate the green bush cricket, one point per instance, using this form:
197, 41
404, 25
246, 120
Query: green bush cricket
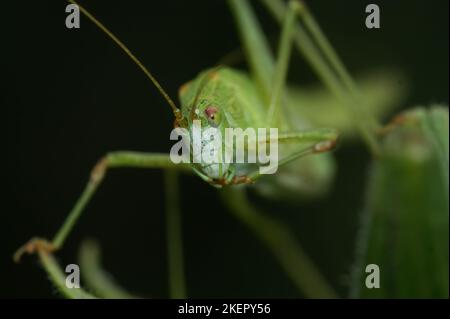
220, 97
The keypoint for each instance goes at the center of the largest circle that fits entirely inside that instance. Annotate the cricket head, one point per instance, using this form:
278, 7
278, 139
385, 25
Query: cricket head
205, 121
191, 116
210, 153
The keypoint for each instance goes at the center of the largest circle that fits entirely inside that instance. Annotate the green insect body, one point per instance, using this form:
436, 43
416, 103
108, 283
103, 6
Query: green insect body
220, 99
405, 222
223, 98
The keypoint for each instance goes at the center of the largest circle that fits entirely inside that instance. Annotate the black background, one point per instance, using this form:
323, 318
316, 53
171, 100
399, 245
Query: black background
69, 96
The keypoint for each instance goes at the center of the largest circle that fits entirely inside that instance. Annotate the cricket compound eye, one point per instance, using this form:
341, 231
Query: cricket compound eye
213, 115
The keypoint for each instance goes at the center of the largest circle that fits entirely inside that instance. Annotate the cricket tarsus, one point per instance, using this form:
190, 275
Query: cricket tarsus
236, 180
34, 245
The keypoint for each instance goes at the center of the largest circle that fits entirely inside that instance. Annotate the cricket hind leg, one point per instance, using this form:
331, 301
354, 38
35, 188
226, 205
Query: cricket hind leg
282, 243
256, 48
266, 71
312, 43
270, 74
281, 67
111, 160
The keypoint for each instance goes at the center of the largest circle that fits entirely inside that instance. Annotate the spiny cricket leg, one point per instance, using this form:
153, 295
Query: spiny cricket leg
315, 47
318, 135
255, 45
281, 242
111, 160
281, 67
318, 141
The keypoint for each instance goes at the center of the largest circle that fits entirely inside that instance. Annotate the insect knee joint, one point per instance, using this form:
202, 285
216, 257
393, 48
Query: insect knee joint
325, 146
99, 170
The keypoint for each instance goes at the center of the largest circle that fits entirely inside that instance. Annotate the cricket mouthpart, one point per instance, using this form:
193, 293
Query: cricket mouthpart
211, 158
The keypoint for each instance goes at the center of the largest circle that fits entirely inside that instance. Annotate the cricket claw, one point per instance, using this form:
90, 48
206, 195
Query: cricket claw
395, 122
242, 180
32, 246
325, 146
236, 180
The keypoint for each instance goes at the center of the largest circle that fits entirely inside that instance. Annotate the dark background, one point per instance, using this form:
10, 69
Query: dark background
69, 96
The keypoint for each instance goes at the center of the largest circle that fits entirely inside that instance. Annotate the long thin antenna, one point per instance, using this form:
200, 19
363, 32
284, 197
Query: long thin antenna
166, 96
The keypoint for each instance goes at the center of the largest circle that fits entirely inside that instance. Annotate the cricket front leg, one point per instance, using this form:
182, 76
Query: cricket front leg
111, 160
309, 142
